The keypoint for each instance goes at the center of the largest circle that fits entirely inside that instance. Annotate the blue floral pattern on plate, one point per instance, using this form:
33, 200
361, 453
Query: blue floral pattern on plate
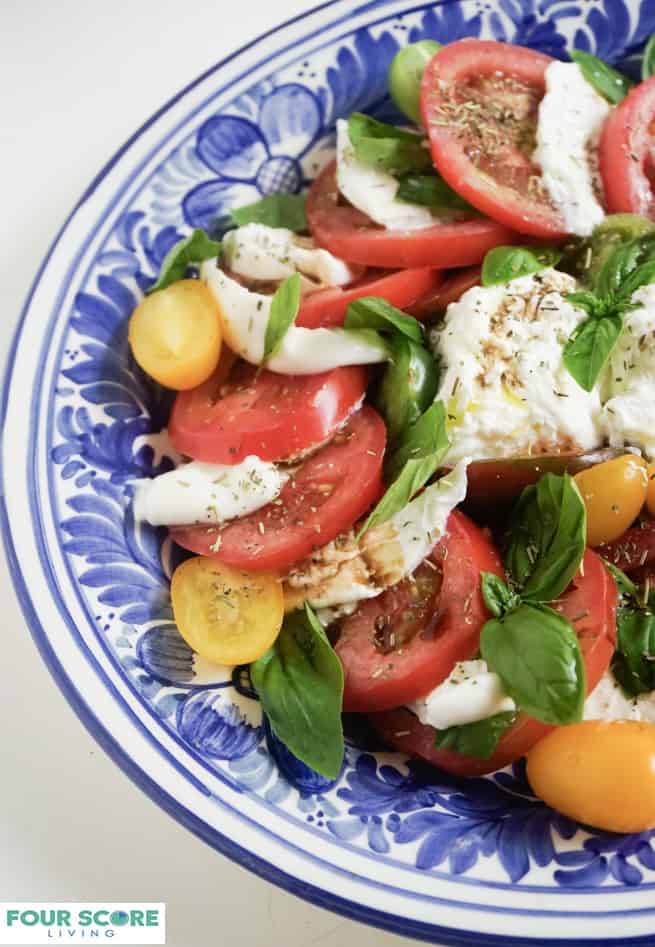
108, 428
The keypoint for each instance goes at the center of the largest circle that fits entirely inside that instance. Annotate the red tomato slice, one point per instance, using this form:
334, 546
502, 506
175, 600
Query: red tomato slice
627, 166
277, 417
485, 152
331, 490
328, 307
351, 235
590, 605
403, 643
634, 549
429, 307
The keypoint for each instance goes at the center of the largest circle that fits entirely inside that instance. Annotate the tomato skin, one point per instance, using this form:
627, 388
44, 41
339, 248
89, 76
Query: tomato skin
625, 149
175, 334
614, 493
351, 235
634, 549
257, 412
433, 304
469, 59
494, 485
227, 616
307, 514
591, 599
598, 772
402, 288
375, 681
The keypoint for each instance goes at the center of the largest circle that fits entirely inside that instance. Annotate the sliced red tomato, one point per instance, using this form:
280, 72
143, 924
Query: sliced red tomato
331, 490
351, 235
402, 289
590, 605
403, 643
480, 103
276, 417
634, 549
433, 304
494, 485
627, 165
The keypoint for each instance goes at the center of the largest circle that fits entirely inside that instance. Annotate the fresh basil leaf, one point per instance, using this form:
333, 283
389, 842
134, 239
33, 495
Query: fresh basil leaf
419, 455
634, 661
588, 349
612, 85
497, 595
192, 249
408, 385
537, 656
621, 264
643, 275
625, 586
648, 59
374, 312
300, 685
276, 210
587, 301
282, 314
386, 147
430, 190
592, 253
425, 438
364, 126
503, 264
478, 739
547, 538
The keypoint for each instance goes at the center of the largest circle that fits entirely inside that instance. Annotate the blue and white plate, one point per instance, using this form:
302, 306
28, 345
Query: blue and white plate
480, 862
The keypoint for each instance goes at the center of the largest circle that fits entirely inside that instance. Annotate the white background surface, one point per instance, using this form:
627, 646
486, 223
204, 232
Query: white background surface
77, 78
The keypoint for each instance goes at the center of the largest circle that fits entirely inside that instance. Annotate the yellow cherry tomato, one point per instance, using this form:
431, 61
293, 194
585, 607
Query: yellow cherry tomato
599, 773
650, 493
614, 493
225, 615
175, 334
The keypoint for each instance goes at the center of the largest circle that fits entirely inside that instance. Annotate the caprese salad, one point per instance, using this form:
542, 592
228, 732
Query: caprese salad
416, 426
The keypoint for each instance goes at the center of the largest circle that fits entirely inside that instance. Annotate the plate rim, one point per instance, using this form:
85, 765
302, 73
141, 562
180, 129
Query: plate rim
259, 865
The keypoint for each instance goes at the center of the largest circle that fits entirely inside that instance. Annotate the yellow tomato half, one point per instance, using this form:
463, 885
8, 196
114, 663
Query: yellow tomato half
599, 773
175, 334
227, 616
614, 493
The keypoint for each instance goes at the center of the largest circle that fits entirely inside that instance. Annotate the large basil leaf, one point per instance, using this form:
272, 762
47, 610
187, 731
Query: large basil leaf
587, 351
419, 454
634, 661
276, 210
282, 314
300, 685
192, 249
612, 85
385, 147
503, 264
430, 190
547, 538
374, 312
478, 739
537, 656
